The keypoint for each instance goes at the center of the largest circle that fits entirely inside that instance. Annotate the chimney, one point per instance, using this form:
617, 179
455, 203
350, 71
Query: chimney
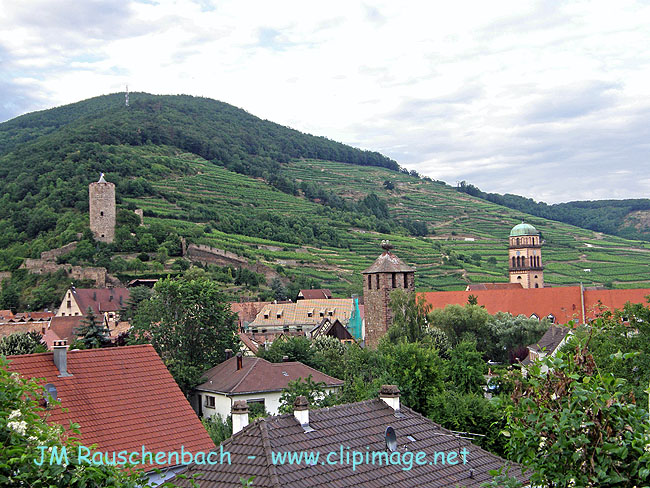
240, 361
301, 412
390, 394
285, 359
239, 415
61, 357
229, 353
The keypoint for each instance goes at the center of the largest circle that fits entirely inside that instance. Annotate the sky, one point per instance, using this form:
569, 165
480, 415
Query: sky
549, 100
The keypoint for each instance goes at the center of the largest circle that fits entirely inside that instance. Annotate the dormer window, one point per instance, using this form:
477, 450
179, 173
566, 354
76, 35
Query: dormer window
266, 315
278, 314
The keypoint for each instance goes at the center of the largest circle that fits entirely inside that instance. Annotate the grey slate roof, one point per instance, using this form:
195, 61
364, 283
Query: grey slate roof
388, 263
357, 426
550, 340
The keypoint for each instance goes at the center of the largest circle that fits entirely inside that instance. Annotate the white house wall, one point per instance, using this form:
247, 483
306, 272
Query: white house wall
223, 404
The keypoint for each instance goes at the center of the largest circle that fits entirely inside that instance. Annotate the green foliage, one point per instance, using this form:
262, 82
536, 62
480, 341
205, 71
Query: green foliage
417, 370
296, 348
314, 391
465, 369
575, 426
463, 322
22, 343
219, 429
93, 332
189, 325
409, 317
511, 334
22, 431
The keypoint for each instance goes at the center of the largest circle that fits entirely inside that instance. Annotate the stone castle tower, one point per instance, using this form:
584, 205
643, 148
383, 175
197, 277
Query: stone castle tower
525, 256
101, 196
387, 273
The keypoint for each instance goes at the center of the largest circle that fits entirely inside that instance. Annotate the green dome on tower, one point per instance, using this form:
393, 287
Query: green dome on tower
523, 230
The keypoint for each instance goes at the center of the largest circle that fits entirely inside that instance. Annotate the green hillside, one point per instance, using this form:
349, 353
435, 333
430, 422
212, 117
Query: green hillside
306, 207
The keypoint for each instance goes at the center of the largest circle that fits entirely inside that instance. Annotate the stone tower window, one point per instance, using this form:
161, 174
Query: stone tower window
101, 213
406, 281
394, 280
369, 282
377, 280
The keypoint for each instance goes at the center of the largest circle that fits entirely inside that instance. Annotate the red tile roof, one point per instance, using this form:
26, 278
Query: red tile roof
258, 374
563, 302
315, 294
21, 328
64, 327
493, 286
249, 342
101, 299
247, 311
122, 397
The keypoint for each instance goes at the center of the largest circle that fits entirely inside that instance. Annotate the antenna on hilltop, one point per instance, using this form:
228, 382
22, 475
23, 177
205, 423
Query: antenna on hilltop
126, 97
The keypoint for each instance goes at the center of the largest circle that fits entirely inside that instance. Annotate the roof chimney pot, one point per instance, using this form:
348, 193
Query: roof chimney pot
60, 349
301, 412
239, 413
229, 353
285, 359
390, 395
240, 361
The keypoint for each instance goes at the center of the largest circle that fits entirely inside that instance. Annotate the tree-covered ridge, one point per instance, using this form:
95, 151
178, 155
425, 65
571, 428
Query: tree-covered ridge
608, 216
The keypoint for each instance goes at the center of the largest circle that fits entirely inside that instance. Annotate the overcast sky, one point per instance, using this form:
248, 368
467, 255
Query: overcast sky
549, 100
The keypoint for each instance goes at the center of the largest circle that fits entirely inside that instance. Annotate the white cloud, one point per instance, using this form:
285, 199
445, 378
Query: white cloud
536, 98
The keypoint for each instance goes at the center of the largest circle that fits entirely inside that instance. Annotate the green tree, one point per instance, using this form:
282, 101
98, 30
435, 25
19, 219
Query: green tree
464, 322
416, 369
190, 324
573, 425
93, 332
313, 390
465, 368
219, 429
22, 343
409, 317
512, 334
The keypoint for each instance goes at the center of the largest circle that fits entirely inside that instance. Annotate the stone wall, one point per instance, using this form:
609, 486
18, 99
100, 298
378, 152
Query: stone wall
41, 266
376, 299
212, 255
55, 253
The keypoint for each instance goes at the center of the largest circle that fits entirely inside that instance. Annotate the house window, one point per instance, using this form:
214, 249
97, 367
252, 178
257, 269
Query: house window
266, 315
551, 317
209, 401
69, 304
311, 313
534, 316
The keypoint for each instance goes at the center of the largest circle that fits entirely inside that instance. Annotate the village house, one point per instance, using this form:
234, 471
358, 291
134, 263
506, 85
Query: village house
104, 302
301, 317
123, 398
382, 428
254, 380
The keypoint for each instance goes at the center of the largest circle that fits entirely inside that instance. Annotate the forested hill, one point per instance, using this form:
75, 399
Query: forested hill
624, 218
216, 131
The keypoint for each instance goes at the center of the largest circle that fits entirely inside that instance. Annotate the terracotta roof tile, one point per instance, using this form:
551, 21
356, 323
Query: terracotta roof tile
563, 302
258, 374
304, 312
101, 299
122, 397
315, 294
